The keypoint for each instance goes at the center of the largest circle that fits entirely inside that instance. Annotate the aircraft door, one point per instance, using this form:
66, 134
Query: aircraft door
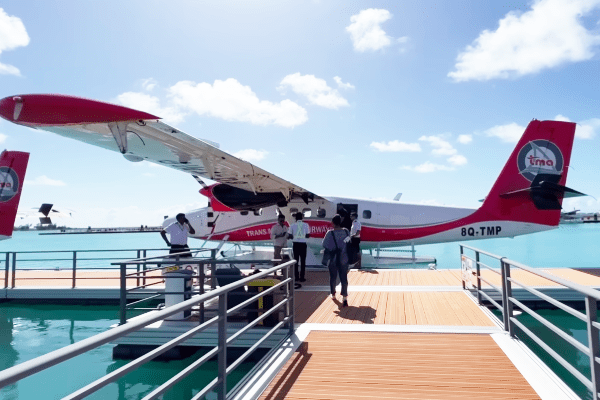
344, 211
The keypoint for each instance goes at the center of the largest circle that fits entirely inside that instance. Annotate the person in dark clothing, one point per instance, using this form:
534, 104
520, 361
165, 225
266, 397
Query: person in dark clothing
346, 221
299, 231
333, 242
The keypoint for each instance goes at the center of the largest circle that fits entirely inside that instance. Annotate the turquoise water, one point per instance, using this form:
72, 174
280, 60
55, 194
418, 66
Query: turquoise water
28, 331
567, 246
574, 328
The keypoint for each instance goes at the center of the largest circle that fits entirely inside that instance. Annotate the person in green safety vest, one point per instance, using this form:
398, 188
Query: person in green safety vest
299, 231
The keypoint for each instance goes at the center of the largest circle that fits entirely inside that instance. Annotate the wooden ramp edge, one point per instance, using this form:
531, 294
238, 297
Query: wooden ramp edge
390, 365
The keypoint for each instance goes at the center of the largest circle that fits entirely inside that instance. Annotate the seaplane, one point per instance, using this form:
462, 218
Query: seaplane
45, 213
13, 165
245, 200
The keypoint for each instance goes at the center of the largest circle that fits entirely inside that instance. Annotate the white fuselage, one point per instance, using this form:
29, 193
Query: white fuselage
384, 223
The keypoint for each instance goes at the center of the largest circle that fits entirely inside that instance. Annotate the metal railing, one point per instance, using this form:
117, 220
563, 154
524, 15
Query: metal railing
27, 368
162, 262
510, 322
70, 260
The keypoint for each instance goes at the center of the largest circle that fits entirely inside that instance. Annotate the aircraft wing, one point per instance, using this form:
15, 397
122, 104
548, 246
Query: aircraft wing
141, 136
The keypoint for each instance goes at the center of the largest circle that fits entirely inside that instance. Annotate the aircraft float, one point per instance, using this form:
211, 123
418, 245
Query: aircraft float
244, 203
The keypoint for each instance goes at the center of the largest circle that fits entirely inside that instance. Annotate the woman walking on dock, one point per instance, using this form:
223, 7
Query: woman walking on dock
334, 243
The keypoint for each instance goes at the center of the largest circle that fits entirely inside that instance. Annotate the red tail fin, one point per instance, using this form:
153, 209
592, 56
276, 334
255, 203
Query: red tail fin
530, 187
12, 175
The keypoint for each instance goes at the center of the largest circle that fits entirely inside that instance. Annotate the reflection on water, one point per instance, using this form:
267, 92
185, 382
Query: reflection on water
29, 331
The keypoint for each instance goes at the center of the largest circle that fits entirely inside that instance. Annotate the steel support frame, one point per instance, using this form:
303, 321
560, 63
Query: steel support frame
222, 345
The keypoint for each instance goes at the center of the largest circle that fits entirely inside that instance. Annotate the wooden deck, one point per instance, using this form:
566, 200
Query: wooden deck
391, 308
396, 278
375, 365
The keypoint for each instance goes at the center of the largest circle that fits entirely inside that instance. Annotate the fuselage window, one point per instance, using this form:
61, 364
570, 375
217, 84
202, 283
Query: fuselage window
366, 214
209, 214
258, 212
321, 213
307, 212
293, 211
244, 212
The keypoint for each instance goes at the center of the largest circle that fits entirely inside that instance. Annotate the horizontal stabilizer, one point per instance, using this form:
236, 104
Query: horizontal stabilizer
45, 209
545, 192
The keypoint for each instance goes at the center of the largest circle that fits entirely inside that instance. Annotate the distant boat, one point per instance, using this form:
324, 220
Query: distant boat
572, 217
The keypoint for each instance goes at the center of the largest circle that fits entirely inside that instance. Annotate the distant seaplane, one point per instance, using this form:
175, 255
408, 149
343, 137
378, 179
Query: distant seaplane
246, 200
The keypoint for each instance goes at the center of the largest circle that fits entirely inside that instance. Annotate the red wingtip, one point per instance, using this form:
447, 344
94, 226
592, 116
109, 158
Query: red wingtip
57, 109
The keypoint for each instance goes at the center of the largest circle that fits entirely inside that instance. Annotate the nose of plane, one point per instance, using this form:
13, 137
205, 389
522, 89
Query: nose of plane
7, 107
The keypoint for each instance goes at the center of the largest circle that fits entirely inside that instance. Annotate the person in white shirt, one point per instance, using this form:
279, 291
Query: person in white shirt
279, 236
299, 231
178, 231
355, 256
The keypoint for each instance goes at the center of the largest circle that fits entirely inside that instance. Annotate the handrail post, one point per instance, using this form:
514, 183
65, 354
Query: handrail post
137, 281
462, 272
505, 303
201, 287
74, 269
123, 295
591, 308
292, 296
478, 277
144, 267
222, 344
14, 271
509, 304
213, 276
6, 267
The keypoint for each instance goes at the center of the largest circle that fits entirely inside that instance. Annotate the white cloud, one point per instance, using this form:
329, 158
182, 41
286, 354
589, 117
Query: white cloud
440, 146
510, 133
44, 181
428, 167
341, 84
585, 129
231, 101
396, 146
149, 84
3, 138
403, 41
315, 89
550, 34
148, 174
251, 154
150, 104
12, 35
457, 159
366, 32
465, 139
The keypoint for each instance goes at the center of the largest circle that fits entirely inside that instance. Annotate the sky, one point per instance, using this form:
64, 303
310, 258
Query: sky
357, 99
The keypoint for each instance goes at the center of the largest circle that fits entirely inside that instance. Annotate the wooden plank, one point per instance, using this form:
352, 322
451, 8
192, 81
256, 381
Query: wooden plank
342, 365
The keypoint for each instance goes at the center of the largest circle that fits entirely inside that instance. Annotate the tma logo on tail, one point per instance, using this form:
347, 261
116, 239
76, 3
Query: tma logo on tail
9, 184
539, 157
